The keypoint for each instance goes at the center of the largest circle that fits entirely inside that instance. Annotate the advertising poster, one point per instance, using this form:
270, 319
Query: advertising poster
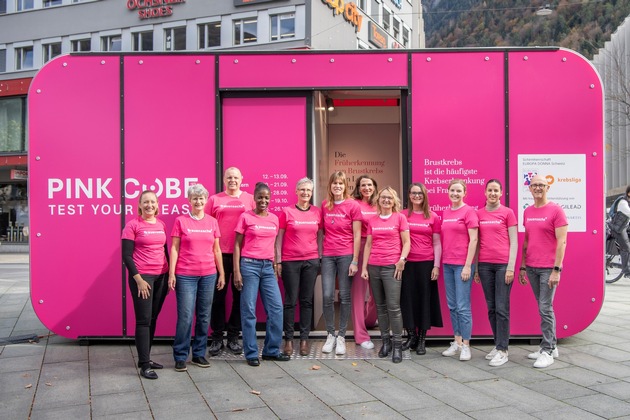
566, 175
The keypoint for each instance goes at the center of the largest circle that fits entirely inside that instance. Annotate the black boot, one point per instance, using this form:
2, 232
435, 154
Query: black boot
397, 353
412, 340
421, 344
386, 348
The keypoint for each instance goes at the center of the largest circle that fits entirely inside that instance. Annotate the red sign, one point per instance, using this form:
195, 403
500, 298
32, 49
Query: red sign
148, 9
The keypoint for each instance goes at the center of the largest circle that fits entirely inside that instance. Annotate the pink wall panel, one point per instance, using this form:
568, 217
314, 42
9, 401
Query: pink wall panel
271, 147
457, 120
74, 169
312, 70
169, 143
556, 108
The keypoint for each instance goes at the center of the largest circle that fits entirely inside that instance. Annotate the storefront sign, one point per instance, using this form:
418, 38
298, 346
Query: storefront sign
246, 2
148, 9
18, 174
349, 10
376, 35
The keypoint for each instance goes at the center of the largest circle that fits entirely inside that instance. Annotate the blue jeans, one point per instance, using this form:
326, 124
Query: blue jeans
336, 268
539, 280
194, 294
257, 276
458, 299
497, 295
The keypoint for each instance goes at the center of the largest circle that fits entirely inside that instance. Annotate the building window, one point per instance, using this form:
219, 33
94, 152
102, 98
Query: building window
111, 43
12, 124
24, 58
81, 45
396, 28
175, 39
282, 26
3, 7
25, 5
375, 10
50, 3
405, 37
209, 35
51, 51
387, 16
245, 31
142, 41
3, 61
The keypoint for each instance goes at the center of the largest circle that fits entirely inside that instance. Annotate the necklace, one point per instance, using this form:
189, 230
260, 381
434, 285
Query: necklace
196, 217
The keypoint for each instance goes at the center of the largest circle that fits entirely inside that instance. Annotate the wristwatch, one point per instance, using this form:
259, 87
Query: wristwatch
558, 269
403, 259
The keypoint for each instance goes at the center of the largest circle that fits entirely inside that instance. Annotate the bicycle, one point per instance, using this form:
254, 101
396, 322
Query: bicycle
613, 267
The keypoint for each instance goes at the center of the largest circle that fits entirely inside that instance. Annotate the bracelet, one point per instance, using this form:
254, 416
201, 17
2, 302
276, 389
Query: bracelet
354, 263
522, 269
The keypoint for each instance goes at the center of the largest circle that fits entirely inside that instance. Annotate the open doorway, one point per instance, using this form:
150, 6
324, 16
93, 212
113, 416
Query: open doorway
359, 132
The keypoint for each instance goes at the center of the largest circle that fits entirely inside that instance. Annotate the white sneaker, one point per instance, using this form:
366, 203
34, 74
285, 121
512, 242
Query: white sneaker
534, 356
499, 359
465, 354
341, 346
368, 345
492, 353
453, 350
330, 344
544, 360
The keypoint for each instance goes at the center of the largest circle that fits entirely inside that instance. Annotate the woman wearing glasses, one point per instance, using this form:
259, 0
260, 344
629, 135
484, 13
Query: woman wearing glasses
386, 251
420, 299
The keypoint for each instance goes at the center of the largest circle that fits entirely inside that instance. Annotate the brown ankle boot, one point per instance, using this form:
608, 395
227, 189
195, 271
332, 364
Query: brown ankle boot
288, 347
305, 349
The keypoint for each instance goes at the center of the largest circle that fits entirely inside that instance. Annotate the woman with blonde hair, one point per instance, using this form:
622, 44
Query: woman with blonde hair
386, 251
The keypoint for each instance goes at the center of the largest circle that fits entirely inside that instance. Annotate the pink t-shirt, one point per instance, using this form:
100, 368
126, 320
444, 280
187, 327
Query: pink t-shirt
386, 242
299, 241
148, 251
494, 240
338, 235
455, 240
421, 232
227, 210
540, 225
196, 246
259, 235
367, 212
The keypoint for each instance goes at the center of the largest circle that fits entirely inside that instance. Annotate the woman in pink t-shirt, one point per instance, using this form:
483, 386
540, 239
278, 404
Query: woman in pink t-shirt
298, 251
495, 266
342, 239
386, 251
420, 298
145, 255
363, 311
459, 244
255, 271
196, 269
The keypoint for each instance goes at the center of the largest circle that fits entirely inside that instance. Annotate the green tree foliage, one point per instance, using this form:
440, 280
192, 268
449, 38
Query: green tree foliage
581, 25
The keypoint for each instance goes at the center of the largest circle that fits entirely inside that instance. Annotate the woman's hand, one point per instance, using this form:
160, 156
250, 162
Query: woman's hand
364, 274
221, 281
352, 270
279, 270
143, 288
509, 276
435, 273
238, 281
522, 277
477, 279
171, 281
466, 273
400, 267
